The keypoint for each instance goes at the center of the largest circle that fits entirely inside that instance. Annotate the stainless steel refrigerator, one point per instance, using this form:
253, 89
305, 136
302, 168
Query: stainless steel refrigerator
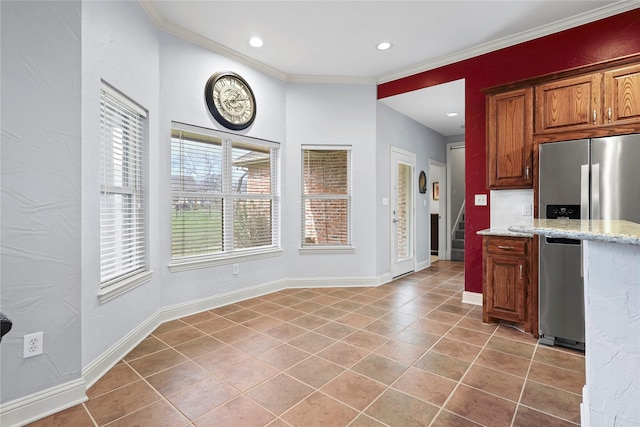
582, 179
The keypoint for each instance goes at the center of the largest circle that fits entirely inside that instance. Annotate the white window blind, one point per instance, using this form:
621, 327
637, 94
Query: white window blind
224, 194
326, 198
122, 221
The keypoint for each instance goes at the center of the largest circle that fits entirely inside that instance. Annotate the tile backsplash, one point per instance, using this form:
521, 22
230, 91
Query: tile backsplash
510, 207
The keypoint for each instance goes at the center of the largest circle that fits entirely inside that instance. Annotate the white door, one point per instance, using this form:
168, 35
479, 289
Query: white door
402, 212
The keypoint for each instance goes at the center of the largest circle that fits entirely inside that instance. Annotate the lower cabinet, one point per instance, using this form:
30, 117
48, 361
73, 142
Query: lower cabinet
507, 281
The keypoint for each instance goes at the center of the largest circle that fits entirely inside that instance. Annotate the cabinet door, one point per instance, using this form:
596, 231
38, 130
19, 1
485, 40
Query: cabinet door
510, 139
569, 104
506, 287
622, 95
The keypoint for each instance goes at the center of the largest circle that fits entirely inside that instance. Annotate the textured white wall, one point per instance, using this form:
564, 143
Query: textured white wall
119, 45
612, 317
40, 264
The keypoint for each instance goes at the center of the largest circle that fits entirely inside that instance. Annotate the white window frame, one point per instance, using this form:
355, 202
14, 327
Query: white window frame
124, 262
314, 248
230, 254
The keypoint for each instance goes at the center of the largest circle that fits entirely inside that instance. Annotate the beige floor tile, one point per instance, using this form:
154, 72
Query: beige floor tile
353, 389
395, 408
481, 407
319, 410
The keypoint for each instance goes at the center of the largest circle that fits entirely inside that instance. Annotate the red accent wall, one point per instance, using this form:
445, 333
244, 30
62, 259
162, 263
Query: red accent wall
602, 40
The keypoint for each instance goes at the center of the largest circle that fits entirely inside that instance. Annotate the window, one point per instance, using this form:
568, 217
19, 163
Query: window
224, 194
326, 199
122, 204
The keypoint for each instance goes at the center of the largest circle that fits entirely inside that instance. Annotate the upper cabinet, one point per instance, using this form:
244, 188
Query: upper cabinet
569, 104
608, 98
510, 139
622, 95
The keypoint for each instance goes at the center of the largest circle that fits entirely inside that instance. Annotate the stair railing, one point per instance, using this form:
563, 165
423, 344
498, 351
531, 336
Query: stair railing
457, 221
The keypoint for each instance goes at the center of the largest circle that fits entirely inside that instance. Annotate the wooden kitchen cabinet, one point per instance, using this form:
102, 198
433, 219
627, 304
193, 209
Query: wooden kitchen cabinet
569, 104
506, 271
622, 95
510, 139
607, 98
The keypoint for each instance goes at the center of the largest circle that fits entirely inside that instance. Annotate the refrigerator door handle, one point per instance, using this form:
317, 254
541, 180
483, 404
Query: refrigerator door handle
595, 191
584, 191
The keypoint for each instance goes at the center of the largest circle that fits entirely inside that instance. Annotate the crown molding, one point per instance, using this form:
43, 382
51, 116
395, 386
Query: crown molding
556, 27
584, 18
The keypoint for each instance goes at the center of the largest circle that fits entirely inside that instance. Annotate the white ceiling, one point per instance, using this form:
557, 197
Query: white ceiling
335, 41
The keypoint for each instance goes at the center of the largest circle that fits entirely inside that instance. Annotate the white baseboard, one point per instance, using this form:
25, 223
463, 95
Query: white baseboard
474, 298
43, 403
424, 264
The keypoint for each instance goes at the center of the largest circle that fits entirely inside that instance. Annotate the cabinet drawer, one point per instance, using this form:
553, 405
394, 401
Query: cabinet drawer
506, 246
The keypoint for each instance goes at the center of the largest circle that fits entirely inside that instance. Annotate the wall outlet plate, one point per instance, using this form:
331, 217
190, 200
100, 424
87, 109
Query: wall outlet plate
33, 344
481, 200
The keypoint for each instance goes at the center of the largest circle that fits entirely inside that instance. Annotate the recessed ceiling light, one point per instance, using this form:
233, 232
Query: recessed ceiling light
383, 46
256, 42
452, 114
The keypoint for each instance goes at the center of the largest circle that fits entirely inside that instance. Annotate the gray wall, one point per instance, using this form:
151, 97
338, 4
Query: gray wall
41, 175
54, 55
395, 129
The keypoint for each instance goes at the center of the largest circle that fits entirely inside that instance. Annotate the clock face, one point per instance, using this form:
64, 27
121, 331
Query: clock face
230, 100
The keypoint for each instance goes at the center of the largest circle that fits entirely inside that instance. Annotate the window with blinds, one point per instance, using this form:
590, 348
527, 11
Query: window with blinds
326, 199
224, 194
122, 209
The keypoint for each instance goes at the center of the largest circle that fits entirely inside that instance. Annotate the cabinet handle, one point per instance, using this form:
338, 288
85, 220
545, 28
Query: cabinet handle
506, 248
526, 172
521, 271
609, 114
595, 116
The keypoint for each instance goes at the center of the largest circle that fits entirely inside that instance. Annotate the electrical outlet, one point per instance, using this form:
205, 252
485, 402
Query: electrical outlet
33, 344
235, 269
481, 200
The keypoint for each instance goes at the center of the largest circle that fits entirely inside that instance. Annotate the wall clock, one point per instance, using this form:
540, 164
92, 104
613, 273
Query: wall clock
230, 100
422, 182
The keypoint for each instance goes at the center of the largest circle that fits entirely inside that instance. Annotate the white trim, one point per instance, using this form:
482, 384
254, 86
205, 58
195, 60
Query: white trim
209, 303
193, 264
481, 49
107, 360
110, 292
410, 158
43, 403
309, 250
474, 298
574, 21
47, 402
424, 264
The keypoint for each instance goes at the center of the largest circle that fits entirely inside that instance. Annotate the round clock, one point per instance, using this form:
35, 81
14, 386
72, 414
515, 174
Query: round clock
230, 100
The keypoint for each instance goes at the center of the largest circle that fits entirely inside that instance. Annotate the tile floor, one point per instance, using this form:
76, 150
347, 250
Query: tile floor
408, 353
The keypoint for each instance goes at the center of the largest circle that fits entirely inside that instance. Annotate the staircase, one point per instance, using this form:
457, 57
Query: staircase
457, 241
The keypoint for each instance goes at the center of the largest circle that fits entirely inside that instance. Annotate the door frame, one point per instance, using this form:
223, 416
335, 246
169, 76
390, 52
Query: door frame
396, 151
450, 219
443, 211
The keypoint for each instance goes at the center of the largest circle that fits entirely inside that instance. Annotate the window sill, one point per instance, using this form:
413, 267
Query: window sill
110, 292
307, 250
194, 264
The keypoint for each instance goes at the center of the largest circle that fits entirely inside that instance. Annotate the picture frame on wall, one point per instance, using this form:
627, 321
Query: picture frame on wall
436, 191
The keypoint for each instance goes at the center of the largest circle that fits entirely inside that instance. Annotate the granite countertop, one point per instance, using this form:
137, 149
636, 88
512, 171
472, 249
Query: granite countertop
611, 231
503, 232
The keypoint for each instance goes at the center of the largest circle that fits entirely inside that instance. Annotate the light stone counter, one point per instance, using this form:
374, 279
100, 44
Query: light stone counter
611, 254
503, 232
605, 231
